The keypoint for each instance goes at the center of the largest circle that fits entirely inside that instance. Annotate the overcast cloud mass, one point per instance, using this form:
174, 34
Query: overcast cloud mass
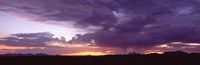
116, 23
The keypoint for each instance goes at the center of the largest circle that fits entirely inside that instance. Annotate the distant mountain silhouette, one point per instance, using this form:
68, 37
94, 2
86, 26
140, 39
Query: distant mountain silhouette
175, 53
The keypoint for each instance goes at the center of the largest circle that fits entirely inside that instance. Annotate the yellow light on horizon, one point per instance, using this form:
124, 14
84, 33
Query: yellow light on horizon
85, 54
153, 51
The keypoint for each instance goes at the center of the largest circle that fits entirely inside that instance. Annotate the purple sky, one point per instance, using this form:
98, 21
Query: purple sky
103, 26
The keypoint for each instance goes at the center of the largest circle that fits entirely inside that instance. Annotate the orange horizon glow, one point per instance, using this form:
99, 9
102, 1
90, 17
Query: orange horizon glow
153, 51
7, 51
90, 53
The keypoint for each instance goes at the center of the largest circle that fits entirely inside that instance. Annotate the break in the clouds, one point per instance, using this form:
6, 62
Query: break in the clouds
119, 23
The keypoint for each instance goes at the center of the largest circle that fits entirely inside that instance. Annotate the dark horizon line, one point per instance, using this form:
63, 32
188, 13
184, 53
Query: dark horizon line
130, 53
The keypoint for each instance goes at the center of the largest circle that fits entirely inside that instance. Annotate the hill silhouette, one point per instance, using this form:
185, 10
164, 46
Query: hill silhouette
168, 58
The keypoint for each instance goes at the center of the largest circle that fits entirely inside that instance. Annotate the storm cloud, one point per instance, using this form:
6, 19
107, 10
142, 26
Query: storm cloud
119, 23
30, 39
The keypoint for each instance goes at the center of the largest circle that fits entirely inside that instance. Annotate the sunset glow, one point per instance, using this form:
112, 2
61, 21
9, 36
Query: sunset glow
86, 53
7, 51
153, 51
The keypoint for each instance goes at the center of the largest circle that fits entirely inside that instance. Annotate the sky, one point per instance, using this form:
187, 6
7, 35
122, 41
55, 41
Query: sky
99, 27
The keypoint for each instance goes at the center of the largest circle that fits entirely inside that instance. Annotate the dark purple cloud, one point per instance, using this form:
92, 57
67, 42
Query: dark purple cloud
120, 23
30, 39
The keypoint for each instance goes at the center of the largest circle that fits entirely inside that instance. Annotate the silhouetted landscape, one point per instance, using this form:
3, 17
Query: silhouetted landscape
168, 58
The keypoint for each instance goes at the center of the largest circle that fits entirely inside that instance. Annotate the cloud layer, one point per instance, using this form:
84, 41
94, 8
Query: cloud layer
119, 23
30, 39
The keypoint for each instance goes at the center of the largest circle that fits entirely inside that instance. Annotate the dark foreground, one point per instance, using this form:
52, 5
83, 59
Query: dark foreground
136, 59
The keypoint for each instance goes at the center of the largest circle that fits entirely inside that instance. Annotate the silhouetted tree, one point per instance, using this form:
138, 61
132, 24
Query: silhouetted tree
133, 53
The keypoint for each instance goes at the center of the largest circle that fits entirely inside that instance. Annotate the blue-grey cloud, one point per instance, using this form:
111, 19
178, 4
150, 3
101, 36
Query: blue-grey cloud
30, 39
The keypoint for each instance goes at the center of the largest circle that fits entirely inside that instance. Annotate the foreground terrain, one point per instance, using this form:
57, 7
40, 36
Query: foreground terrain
129, 59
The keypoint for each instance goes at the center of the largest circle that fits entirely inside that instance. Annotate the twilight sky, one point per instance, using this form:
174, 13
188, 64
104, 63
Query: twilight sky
98, 27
